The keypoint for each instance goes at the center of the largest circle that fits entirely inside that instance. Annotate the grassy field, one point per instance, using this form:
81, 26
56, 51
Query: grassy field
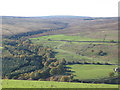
67, 37
85, 72
79, 51
51, 84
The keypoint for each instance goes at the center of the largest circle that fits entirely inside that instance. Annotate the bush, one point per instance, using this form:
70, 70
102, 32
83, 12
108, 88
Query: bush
112, 41
111, 74
101, 53
65, 79
53, 71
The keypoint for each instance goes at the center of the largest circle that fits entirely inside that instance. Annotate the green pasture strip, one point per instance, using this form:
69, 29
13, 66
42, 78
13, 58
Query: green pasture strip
66, 37
87, 72
51, 84
1, 47
70, 56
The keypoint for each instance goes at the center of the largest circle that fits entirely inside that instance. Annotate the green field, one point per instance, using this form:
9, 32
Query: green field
67, 37
1, 47
87, 72
51, 84
79, 51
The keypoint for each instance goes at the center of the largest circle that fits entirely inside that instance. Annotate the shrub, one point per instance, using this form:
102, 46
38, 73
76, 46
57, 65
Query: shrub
111, 74
65, 79
53, 71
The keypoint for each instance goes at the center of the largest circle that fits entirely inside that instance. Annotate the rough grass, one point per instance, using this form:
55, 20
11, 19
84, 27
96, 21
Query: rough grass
87, 72
11, 26
79, 51
96, 28
51, 84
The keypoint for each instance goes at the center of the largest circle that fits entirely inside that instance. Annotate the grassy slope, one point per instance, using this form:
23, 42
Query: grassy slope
11, 26
67, 37
84, 72
68, 49
50, 84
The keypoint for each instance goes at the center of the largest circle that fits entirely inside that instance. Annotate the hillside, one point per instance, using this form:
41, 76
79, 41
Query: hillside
60, 48
80, 48
81, 26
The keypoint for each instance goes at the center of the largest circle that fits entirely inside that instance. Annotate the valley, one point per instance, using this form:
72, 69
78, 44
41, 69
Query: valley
71, 50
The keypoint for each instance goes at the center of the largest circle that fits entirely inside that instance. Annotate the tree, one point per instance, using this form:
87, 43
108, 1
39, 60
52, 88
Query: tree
51, 65
65, 79
112, 41
49, 39
63, 61
54, 71
101, 53
60, 68
35, 76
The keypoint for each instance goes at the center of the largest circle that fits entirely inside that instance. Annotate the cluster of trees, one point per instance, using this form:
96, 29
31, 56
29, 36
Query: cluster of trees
102, 53
87, 62
25, 61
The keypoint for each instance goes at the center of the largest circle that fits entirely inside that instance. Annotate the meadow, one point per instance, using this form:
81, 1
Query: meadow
87, 72
66, 37
79, 51
51, 84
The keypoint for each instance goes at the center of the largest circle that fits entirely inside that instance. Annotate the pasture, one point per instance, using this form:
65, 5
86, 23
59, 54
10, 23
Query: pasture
67, 37
87, 72
51, 84
79, 51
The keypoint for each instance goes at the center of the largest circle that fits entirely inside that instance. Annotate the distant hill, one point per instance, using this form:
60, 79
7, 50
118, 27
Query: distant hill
52, 16
12, 25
